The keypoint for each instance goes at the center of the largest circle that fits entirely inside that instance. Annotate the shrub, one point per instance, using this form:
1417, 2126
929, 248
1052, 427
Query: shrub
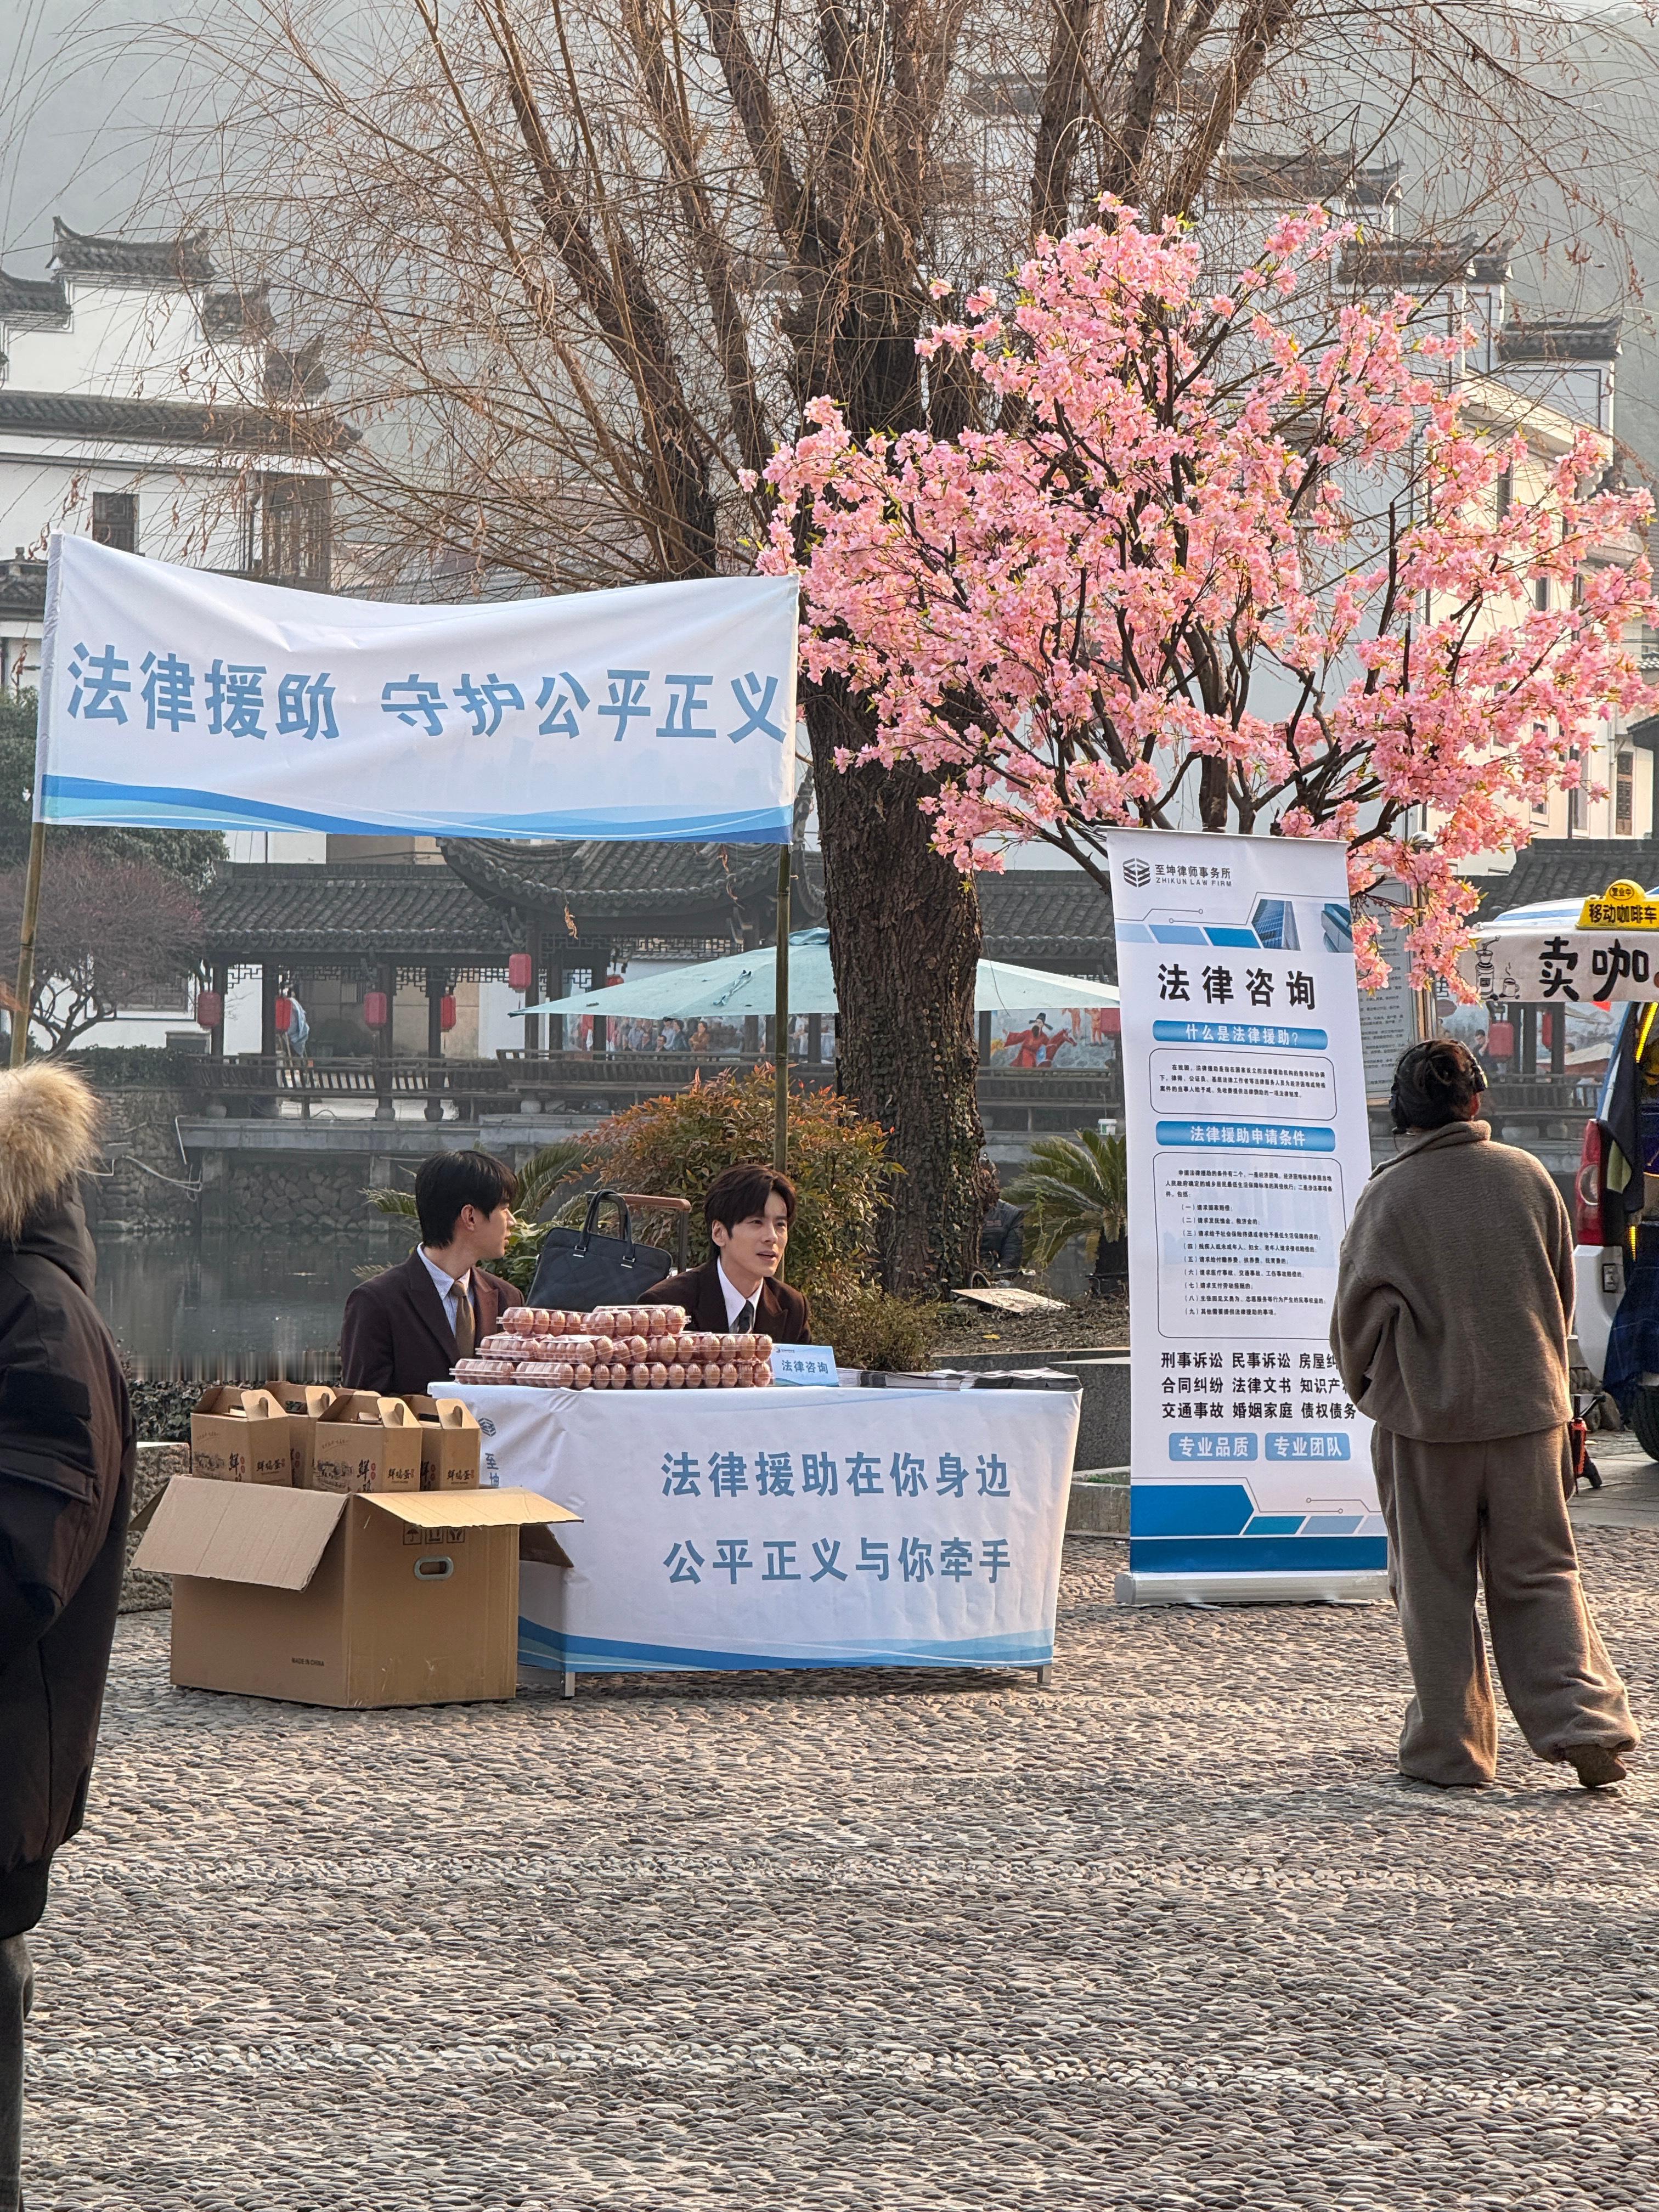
675, 1146
870, 1327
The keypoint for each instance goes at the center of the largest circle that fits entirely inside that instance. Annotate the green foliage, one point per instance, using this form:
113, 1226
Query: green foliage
870, 1327
674, 1147
1073, 1189
540, 1179
190, 855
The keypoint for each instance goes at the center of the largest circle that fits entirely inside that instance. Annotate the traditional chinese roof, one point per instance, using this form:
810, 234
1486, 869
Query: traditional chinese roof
22, 591
1298, 179
153, 261
296, 915
1493, 265
1411, 264
625, 890
1596, 340
1056, 918
36, 299
232, 316
1570, 867
166, 422
296, 377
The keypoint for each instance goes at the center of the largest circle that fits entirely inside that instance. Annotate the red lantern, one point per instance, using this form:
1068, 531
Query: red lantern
447, 1011
210, 1009
282, 1013
520, 971
376, 1009
1500, 1041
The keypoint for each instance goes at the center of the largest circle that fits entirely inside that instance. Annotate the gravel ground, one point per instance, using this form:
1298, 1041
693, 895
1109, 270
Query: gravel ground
1172, 1933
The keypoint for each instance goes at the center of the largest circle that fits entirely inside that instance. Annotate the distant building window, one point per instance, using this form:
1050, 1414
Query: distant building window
1505, 491
115, 520
1540, 594
1577, 804
293, 532
1624, 793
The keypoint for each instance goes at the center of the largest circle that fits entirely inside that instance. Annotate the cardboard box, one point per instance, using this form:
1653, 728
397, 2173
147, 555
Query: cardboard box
365, 1443
304, 1403
324, 1599
239, 1435
451, 1444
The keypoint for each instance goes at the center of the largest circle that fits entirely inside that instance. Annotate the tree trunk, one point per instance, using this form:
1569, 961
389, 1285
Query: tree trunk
905, 938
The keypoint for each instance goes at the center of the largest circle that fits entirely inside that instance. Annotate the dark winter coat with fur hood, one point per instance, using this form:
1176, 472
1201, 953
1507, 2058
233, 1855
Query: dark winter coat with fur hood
66, 1461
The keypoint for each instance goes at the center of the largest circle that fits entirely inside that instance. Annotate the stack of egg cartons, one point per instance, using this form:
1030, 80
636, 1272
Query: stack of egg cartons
616, 1348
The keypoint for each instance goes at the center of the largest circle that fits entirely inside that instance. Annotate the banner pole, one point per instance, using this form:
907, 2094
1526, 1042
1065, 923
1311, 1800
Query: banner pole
781, 1024
19, 1019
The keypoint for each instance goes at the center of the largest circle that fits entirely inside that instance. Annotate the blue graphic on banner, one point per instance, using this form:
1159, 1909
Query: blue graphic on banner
1247, 1136
158, 806
1322, 1445
540, 1646
1188, 1527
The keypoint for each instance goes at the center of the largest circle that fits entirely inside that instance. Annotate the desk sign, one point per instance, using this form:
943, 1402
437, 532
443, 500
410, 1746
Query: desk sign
804, 1363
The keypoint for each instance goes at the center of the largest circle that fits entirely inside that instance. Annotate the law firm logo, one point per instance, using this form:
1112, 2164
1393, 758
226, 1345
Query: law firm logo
1138, 873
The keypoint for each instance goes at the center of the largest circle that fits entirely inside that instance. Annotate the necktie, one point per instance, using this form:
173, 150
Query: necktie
464, 1331
745, 1320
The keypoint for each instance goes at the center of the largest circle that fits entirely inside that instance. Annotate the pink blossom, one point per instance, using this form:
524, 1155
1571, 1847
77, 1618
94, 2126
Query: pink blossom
1132, 582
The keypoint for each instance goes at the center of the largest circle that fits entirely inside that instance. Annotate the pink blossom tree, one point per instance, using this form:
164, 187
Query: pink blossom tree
1194, 571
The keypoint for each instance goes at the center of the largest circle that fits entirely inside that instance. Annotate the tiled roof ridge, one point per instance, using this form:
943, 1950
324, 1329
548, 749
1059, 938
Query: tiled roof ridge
166, 421
183, 260
32, 295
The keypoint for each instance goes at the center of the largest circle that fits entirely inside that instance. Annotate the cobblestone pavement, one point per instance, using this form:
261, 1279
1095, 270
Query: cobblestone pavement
1170, 1934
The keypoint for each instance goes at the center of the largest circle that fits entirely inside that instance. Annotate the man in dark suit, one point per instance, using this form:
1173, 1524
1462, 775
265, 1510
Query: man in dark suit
748, 1210
408, 1328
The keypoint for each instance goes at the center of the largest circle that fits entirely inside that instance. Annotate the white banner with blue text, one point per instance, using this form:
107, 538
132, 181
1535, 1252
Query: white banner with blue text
1245, 1120
177, 699
804, 1528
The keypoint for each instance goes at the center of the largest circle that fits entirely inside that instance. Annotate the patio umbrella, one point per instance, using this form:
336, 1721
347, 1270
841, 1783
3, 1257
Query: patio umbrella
744, 983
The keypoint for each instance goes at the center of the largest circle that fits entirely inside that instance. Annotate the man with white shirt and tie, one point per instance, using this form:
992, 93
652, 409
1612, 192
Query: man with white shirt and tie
406, 1329
748, 1210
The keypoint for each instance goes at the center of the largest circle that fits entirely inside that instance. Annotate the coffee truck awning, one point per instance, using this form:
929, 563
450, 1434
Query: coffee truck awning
1591, 950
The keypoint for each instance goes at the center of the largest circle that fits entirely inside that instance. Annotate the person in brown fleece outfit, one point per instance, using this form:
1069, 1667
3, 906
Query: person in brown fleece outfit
1453, 1296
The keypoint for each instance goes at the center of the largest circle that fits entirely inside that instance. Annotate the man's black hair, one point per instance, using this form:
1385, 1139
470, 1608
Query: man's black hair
450, 1181
740, 1193
1435, 1083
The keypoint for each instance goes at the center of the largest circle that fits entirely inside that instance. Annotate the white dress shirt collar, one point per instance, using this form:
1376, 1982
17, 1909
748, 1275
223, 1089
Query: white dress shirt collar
448, 1285
735, 1300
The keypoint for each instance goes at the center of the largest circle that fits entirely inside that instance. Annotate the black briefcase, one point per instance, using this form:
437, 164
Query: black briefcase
579, 1269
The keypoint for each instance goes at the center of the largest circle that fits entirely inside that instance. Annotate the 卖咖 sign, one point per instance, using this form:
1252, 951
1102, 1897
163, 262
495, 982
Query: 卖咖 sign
1244, 1096
177, 699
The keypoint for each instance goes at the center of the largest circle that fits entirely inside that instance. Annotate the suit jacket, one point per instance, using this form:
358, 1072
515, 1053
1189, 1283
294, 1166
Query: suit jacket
395, 1336
781, 1312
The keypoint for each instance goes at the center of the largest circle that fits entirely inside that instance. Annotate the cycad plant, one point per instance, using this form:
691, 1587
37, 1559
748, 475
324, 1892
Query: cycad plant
540, 1180
1075, 1188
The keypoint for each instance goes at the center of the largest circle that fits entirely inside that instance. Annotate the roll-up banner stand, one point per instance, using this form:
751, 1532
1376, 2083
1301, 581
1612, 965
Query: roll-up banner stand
1244, 1091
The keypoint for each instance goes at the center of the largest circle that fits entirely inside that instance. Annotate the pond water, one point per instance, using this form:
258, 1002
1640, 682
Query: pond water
236, 1308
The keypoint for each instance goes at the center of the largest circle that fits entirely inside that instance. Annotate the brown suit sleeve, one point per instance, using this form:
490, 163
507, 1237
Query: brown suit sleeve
366, 1360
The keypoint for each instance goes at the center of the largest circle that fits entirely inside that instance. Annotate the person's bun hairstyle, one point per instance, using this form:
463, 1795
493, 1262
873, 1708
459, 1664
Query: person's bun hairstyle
1434, 1085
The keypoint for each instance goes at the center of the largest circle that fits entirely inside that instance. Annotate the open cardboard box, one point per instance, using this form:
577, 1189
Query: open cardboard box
330, 1599
452, 1443
239, 1435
